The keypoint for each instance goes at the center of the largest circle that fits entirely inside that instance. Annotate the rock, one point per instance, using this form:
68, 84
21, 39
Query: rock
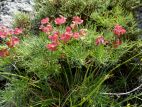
138, 15
8, 8
6, 20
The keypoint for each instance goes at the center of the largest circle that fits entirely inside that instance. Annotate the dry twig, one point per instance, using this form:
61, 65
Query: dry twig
126, 93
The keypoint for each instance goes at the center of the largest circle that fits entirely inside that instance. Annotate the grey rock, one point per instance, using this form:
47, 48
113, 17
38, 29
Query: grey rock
8, 8
138, 16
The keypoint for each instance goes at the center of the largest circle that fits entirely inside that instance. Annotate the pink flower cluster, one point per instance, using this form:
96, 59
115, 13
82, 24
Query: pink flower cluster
46, 26
60, 20
56, 37
8, 39
118, 31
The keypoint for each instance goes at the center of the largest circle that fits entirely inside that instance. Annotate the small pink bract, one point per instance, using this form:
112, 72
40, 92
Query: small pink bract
47, 29
60, 20
119, 30
66, 37
45, 20
51, 46
17, 31
77, 20
54, 38
68, 29
76, 35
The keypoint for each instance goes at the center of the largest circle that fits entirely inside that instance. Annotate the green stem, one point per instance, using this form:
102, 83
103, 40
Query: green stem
124, 62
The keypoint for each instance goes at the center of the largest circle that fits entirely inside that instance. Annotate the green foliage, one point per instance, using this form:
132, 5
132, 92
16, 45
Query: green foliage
132, 4
33, 56
79, 72
22, 20
15, 93
73, 76
104, 16
69, 8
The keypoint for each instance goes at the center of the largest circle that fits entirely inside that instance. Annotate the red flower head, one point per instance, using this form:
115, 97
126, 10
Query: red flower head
66, 37
4, 52
119, 30
116, 43
17, 31
41, 27
57, 33
45, 20
3, 34
60, 20
47, 29
12, 42
54, 38
76, 35
100, 40
11, 32
52, 46
77, 20
68, 29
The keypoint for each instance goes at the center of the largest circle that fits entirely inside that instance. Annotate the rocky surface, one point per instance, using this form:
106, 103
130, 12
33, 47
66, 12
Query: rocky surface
8, 8
138, 14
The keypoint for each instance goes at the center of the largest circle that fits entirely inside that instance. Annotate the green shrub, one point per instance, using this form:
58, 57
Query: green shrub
91, 11
70, 8
69, 80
